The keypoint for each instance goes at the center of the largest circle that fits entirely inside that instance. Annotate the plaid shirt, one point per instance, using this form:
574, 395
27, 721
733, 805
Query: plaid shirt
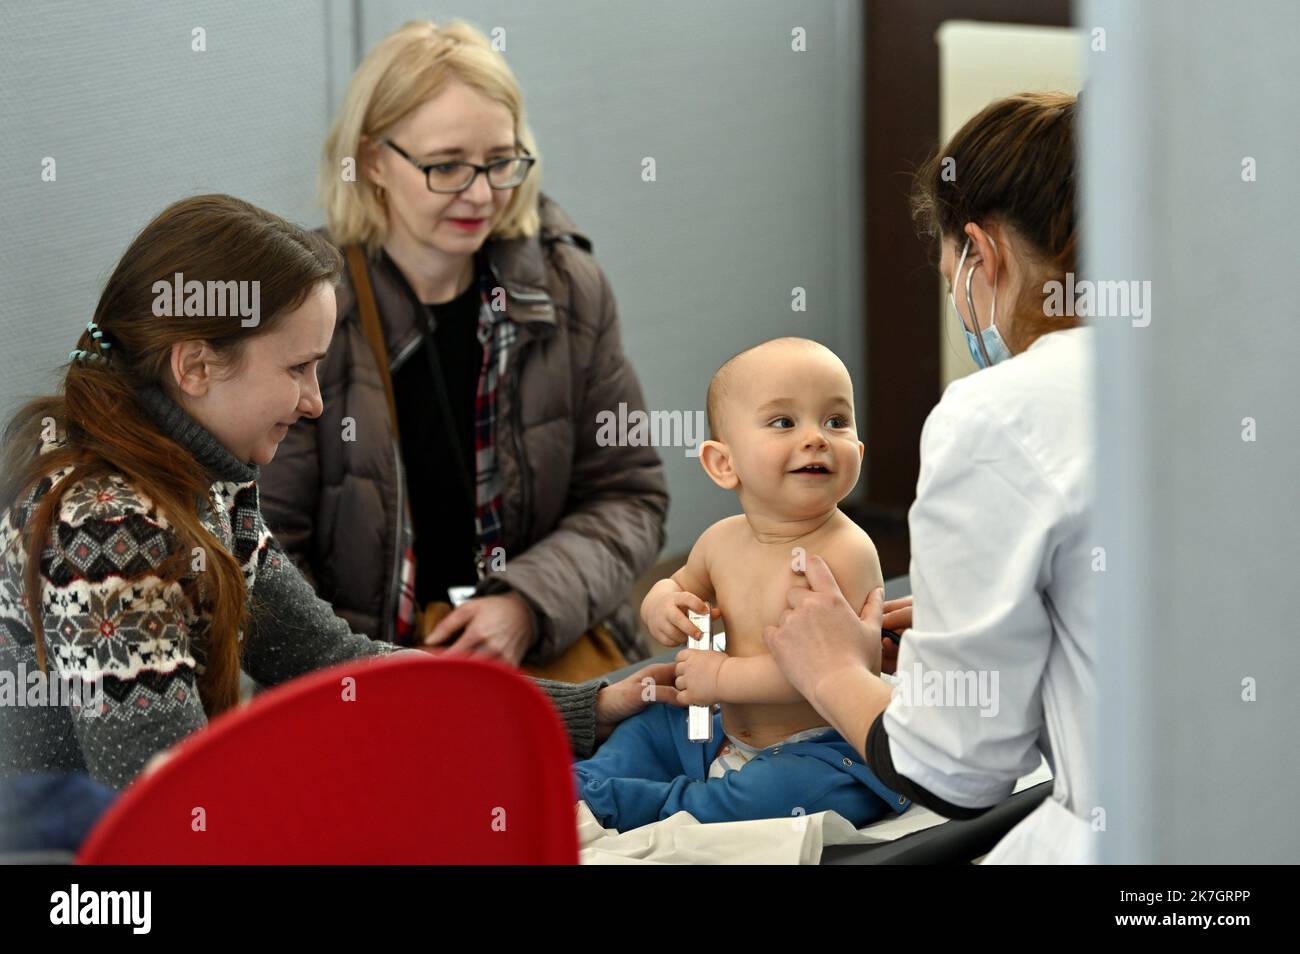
496, 333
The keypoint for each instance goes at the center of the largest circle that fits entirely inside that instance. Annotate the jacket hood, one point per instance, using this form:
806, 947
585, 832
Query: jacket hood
520, 263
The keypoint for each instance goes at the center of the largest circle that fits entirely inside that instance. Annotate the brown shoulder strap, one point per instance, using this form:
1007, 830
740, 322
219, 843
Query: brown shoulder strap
370, 323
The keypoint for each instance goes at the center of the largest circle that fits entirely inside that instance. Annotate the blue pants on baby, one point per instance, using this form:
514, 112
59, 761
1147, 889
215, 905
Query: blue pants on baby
648, 770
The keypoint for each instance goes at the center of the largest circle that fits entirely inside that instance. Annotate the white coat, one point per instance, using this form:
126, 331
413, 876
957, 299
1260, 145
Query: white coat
1004, 576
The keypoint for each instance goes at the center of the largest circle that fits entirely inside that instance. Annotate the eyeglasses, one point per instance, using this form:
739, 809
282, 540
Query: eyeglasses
506, 173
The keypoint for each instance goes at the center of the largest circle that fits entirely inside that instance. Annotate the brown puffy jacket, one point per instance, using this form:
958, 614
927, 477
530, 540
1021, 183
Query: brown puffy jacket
581, 522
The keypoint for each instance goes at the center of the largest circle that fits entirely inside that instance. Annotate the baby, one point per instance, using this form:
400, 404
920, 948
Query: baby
784, 438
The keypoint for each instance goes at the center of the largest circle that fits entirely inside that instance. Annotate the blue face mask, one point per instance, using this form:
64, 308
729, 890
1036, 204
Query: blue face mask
988, 348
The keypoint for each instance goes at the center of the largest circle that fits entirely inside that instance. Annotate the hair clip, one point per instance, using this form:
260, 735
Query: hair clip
97, 334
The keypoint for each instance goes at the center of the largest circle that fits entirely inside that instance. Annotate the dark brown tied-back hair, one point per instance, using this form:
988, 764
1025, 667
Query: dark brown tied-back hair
1013, 163
107, 430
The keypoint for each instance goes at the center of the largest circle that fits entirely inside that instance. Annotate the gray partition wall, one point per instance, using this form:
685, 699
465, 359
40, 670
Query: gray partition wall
1190, 141
755, 144
134, 118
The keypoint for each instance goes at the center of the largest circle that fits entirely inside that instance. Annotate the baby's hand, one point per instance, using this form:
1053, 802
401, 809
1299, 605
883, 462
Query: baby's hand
697, 676
664, 613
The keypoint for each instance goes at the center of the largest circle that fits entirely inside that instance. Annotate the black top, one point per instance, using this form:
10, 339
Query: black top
441, 511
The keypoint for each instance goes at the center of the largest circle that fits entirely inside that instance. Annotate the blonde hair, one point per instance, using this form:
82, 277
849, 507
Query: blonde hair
405, 70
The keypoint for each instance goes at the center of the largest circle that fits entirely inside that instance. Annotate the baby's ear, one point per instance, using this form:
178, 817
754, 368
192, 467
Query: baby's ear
716, 461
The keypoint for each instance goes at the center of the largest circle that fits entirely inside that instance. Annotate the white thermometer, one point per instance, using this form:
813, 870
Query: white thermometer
699, 719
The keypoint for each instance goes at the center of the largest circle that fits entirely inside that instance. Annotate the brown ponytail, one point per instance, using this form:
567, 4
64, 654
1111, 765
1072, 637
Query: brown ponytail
1014, 162
206, 238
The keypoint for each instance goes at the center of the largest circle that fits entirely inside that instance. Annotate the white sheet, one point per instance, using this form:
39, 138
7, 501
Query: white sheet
774, 841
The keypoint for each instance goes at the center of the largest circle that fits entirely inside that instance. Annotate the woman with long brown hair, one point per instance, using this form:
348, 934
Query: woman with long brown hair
134, 554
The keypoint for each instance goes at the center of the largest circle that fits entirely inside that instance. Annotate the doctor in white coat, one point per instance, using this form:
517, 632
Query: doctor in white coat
998, 667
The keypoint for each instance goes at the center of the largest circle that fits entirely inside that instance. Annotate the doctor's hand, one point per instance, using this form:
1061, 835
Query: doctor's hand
821, 635
630, 695
898, 614
500, 626
898, 618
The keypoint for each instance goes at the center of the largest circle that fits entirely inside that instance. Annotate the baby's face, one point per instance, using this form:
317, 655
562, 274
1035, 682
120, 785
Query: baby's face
791, 434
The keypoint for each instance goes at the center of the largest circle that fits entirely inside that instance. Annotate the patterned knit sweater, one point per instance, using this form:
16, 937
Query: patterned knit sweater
106, 616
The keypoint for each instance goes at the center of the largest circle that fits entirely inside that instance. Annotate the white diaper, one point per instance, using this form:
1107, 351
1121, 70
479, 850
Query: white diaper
734, 754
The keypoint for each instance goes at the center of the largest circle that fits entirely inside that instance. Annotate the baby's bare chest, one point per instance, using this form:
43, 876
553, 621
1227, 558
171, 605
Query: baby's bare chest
751, 591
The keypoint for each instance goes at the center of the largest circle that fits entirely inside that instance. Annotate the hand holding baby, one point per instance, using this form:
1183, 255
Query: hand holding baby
821, 636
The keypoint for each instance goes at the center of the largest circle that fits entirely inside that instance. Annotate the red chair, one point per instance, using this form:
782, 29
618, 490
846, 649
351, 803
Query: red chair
458, 761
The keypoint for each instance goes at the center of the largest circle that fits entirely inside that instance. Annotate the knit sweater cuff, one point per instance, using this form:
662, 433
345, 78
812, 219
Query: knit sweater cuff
576, 704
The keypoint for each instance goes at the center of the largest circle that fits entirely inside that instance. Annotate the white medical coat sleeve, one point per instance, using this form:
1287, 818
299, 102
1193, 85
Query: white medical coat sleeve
983, 526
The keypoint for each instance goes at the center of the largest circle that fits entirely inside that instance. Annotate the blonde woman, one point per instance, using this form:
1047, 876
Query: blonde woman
458, 443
